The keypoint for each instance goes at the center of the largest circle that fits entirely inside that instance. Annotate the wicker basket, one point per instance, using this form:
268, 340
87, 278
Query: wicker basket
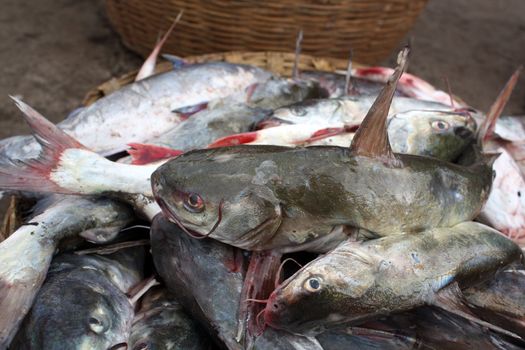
372, 28
276, 62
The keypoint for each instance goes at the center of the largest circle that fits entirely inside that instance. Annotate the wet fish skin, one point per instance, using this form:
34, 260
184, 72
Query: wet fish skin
439, 134
162, 324
501, 300
233, 115
348, 110
438, 329
364, 280
295, 196
125, 116
26, 255
202, 272
79, 307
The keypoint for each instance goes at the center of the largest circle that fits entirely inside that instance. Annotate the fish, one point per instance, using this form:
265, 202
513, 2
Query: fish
360, 281
277, 188
269, 197
25, 256
230, 116
161, 323
207, 277
501, 300
82, 304
348, 110
144, 109
439, 134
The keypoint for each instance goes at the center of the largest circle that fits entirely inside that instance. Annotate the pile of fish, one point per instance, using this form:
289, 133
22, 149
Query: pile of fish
218, 205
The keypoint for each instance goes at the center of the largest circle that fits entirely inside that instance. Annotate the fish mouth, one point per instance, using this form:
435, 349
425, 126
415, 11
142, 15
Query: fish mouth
119, 346
463, 132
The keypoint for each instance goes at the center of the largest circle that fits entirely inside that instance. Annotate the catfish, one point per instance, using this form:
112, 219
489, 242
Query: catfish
268, 197
360, 281
207, 277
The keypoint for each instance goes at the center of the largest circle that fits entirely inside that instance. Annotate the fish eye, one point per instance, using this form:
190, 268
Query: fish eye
313, 284
299, 111
440, 125
96, 325
194, 203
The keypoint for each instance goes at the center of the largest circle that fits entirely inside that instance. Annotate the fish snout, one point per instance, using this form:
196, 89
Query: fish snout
119, 346
463, 132
274, 311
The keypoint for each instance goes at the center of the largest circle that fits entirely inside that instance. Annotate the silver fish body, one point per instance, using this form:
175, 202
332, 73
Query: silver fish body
26, 255
144, 109
81, 305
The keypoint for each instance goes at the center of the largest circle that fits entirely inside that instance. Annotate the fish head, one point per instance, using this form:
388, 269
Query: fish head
79, 309
217, 198
327, 291
440, 134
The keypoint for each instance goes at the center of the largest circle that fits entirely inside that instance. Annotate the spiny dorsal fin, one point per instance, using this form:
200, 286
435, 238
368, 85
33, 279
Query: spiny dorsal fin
487, 127
371, 139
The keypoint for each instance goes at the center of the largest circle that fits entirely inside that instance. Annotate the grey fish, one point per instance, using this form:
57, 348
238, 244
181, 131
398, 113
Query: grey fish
501, 300
82, 304
268, 197
440, 134
25, 256
348, 110
144, 109
207, 277
228, 116
162, 324
358, 281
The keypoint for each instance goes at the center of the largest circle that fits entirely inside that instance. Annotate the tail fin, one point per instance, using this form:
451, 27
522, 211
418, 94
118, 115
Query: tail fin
66, 166
34, 175
487, 128
148, 68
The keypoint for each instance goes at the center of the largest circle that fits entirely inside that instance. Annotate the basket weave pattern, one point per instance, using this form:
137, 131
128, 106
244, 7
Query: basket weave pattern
371, 28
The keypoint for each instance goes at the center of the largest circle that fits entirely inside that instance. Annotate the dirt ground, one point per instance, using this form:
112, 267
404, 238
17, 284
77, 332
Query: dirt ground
53, 51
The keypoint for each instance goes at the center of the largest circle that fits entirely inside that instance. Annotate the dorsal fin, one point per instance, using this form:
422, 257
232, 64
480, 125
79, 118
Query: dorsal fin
371, 139
487, 127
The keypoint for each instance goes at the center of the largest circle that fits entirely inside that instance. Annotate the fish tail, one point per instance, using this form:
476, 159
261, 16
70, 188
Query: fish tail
148, 67
486, 129
65, 166
36, 174
144, 154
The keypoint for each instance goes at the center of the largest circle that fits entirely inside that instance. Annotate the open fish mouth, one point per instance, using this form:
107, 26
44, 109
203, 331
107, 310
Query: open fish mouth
119, 346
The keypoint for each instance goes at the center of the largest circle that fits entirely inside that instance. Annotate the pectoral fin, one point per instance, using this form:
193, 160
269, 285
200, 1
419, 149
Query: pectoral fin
371, 139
